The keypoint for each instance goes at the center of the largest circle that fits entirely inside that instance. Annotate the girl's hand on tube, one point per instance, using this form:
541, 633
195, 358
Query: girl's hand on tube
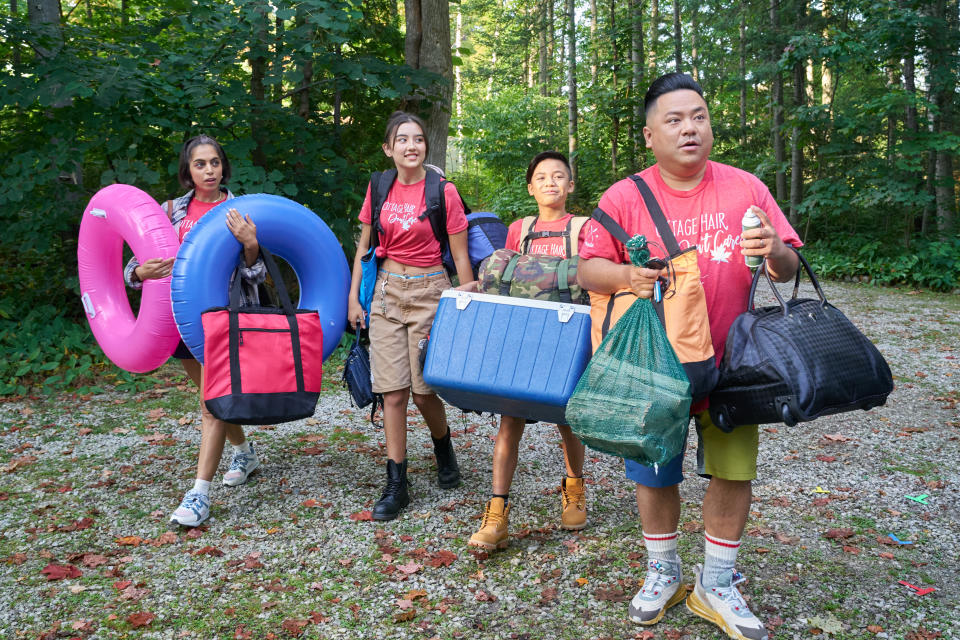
242, 228
154, 269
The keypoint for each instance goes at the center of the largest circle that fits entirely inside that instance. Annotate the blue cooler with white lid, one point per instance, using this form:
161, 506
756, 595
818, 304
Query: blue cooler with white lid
506, 355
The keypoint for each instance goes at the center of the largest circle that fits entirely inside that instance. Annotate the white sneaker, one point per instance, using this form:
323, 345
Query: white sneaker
725, 607
662, 588
193, 510
241, 466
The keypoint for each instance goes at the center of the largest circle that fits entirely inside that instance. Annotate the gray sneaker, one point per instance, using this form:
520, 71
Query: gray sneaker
241, 467
724, 606
662, 588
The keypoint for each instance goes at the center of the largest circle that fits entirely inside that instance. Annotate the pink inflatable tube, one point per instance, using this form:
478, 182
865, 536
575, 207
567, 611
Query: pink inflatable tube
117, 214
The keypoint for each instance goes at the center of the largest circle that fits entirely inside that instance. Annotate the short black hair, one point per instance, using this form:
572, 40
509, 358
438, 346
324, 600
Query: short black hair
186, 181
547, 155
665, 84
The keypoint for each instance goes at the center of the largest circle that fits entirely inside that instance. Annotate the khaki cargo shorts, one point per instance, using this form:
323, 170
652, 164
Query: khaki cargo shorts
400, 319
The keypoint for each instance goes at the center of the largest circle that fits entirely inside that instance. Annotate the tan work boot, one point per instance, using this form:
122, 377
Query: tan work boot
493, 530
574, 516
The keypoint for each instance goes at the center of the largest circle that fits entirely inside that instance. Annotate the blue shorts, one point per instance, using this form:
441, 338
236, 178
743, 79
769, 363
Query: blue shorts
730, 456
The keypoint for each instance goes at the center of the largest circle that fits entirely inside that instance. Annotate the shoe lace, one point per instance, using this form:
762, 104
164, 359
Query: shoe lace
567, 498
194, 501
240, 460
656, 578
393, 486
732, 596
491, 517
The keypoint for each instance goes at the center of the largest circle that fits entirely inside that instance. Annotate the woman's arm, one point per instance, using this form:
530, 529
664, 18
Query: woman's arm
355, 313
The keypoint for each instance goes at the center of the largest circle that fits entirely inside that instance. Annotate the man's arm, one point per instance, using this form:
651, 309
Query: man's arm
782, 262
603, 276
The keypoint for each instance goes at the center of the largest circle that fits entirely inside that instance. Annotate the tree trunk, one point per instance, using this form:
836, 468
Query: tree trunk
15, 43
257, 58
615, 129
544, 68
458, 89
779, 152
943, 83
572, 84
743, 72
654, 37
911, 130
636, 61
594, 45
677, 38
796, 149
427, 46
44, 16
694, 30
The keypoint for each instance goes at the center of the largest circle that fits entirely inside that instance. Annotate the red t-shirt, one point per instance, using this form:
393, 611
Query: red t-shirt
708, 216
405, 237
195, 210
555, 246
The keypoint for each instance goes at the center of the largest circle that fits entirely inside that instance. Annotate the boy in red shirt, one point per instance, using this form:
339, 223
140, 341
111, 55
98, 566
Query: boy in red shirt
549, 181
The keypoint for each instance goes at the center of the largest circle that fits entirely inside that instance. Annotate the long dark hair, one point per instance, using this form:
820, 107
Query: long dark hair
396, 119
186, 181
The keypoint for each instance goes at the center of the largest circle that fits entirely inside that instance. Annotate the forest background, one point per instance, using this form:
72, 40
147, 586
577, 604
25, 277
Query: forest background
845, 108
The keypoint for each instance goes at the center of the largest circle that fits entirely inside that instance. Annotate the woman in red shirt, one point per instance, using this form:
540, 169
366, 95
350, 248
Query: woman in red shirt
409, 282
204, 169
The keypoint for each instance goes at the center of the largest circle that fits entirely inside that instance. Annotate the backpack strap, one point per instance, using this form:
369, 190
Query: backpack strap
526, 228
656, 214
575, 227
169, 209
436, 211
380, 183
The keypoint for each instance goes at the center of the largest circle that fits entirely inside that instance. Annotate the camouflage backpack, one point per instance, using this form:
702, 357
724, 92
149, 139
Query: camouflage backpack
535, 276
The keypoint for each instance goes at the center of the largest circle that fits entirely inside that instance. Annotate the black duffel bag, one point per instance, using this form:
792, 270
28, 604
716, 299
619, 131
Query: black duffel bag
796, 361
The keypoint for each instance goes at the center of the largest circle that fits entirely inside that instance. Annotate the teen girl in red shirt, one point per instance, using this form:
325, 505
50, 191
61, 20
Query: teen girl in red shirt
409, 283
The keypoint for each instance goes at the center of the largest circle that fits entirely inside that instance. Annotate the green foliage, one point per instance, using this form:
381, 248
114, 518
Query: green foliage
928, 264
47, 351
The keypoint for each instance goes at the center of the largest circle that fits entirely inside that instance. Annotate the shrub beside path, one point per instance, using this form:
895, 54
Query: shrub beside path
87, 483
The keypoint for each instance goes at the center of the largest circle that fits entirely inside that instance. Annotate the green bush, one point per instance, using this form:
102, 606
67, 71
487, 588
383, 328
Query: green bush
927, 264
47, 351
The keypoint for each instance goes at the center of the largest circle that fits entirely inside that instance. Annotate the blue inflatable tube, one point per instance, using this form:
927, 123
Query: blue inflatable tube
209, 254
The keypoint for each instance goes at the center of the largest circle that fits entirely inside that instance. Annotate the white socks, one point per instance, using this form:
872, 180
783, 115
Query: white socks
661, 546
203, 486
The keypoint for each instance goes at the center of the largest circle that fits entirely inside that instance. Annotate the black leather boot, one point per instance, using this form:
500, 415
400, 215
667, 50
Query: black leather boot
395, 496
448, 471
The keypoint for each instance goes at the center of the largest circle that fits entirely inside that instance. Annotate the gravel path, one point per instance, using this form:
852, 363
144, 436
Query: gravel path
86, 485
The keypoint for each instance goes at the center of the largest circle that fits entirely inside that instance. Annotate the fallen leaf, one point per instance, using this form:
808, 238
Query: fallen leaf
835, 437
874, 628
55, 571
582, 582
406, 616
310, 503
404, 604
208, 551
548, 595
921, 633
442, 558
414, 594
838, 534
361, 516
293, 626
133, 594
409, 568
762, 550
140, 619
827, 458
129, 541
850, 549
120, 585
613, 594
317, 618
16, 559
483, 596
194, 533
829, 625
241, 633
887, 555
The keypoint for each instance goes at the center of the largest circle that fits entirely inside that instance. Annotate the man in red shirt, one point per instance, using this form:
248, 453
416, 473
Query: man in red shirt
704, 203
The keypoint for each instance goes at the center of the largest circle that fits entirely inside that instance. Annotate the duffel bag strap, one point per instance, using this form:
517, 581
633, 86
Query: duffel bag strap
563, 287
656, 214
507, 279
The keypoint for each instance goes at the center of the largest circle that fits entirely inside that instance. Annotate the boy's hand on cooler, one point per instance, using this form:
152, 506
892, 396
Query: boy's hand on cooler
642, 280
242, 228
154, 269
473, 286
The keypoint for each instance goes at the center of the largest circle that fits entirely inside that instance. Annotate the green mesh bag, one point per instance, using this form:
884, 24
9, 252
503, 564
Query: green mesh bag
633, 400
